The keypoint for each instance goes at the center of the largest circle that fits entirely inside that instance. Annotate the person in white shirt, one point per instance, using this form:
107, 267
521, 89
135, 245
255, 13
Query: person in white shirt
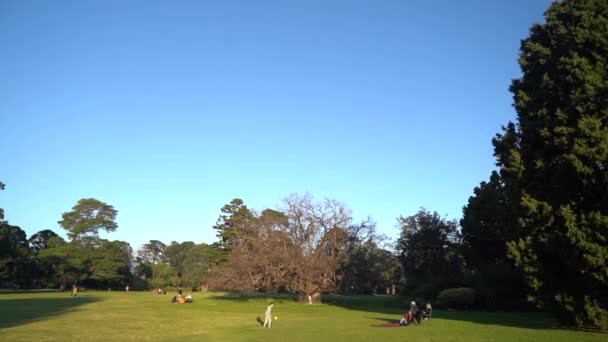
268, 316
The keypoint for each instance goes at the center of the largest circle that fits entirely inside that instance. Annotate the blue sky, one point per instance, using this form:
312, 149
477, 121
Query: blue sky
169, 109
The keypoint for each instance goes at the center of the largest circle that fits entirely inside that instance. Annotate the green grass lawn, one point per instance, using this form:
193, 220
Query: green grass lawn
139, 316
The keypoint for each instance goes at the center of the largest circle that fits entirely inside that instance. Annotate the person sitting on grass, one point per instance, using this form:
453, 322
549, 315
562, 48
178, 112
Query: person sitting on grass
416, 313
406, 319
427, 312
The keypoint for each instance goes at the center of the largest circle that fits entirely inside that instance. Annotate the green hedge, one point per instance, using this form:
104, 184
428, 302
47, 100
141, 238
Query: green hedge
457, 298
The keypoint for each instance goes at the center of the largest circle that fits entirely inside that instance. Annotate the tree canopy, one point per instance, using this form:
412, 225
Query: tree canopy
428, 249
87, 217
554, 161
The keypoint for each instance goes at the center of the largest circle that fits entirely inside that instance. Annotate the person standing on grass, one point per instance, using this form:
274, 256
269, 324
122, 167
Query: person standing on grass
268, 316
74, 290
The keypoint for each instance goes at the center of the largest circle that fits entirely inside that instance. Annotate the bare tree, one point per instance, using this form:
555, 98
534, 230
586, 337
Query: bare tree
298, 249
318, 233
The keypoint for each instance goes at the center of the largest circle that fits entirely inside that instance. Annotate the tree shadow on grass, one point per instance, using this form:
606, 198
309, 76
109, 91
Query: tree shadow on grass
11, 291
383, 319
527, 320
254, 297
392, 308
15, 312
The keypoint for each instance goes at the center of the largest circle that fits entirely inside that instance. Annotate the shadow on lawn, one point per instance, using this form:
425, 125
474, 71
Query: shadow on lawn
385, 319
391, 309
10, 291
254, 297
15, 312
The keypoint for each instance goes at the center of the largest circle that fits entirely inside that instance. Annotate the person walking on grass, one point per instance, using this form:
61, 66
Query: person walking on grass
268, 315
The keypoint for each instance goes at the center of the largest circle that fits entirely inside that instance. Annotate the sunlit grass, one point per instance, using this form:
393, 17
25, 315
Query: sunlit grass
139, 316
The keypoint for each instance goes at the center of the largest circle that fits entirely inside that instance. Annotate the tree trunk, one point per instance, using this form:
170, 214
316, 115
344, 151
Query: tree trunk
64, 285
313, 298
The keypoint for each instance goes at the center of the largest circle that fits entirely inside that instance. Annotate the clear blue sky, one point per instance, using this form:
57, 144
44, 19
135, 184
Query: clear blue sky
169, 109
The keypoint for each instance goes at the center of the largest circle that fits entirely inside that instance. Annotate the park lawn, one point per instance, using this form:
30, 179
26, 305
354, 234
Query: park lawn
145, 316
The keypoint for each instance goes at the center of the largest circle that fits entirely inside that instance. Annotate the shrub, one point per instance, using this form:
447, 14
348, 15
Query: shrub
458, 298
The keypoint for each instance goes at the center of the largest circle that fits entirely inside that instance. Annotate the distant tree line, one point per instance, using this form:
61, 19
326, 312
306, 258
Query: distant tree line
309, 248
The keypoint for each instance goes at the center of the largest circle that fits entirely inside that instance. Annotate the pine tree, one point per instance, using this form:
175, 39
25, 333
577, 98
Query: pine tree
555, 161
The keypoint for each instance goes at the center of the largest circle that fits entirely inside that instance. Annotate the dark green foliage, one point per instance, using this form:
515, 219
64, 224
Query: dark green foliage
87, 217
457, 298
429, 252
152, 252
163, 275
366, 268
498, 286
201, 263
87, 259
15, 257
1, 210
43, 274
109, 264
144, 270
370, 270
234, 221
176, 253
490, 222
94, 262
555, 161
186, 263
40, 240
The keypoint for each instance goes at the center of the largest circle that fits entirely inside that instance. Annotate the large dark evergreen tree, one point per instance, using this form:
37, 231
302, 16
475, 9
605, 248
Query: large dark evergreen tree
490, 222
555, 160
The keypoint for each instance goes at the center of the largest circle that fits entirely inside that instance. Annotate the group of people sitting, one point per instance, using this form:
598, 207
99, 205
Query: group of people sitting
181, 299
416, 314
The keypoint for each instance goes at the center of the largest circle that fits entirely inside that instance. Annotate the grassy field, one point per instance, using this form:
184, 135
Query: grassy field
139, 316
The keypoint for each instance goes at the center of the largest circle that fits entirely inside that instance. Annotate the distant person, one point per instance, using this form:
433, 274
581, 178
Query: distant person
127, 289
180, 290
159, 291
268, 315
74, 290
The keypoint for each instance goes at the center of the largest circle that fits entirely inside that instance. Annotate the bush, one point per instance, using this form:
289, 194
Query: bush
457, 298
